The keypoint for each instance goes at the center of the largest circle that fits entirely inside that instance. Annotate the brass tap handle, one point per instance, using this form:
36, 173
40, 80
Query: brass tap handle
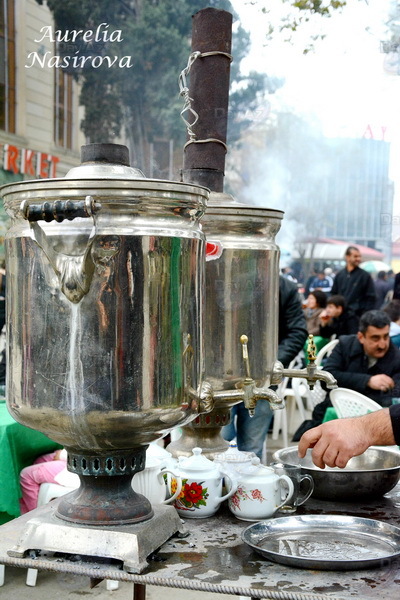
311, 349
248, 383
243, 340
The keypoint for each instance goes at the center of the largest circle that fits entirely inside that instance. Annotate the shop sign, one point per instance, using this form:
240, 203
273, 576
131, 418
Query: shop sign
29, 162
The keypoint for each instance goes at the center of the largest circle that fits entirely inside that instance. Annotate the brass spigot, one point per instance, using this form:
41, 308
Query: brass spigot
311, 372
249, 393
246, 392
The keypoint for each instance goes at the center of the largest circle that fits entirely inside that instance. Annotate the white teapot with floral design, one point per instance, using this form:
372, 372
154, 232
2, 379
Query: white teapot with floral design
201, 493
151, 482
259, 492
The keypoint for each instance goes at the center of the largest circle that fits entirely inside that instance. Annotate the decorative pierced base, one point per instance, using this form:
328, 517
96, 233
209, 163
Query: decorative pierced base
205, 433
105, 496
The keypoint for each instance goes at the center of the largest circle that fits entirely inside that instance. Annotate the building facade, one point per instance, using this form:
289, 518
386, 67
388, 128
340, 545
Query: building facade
39, 110
39, 106
359, 193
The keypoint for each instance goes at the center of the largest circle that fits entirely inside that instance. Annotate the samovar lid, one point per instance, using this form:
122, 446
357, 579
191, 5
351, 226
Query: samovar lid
105, 174
226, 204
110, 161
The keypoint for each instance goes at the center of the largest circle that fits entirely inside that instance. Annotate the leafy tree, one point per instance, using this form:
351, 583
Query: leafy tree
143, 101
296, 15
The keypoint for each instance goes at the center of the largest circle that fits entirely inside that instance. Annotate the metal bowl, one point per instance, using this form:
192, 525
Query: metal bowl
372, 474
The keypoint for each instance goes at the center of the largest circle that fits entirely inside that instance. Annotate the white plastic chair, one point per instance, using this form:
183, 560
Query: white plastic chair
349, 403
50, 491
325, 351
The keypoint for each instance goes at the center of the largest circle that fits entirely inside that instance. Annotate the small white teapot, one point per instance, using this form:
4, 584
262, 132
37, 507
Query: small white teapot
154, 450
233, 459
201, 493
151, 483
259, 493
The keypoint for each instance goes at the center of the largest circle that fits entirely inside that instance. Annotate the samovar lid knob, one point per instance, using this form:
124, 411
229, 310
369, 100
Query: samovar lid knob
105, 153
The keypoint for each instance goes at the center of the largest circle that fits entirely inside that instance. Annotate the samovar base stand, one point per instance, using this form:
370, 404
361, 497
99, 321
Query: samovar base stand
131, 543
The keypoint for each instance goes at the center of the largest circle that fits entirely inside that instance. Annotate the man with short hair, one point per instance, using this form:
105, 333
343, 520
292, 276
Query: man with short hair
355, 284
368, 362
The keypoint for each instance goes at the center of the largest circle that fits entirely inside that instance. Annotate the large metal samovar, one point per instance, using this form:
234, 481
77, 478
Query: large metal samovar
105, 275
241, 300
242, 270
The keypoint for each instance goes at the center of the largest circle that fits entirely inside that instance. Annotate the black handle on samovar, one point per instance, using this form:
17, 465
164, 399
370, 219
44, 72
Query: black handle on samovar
59, 210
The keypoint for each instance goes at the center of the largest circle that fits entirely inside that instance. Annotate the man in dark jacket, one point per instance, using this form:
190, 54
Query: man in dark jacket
355, 284
382, 287
251, 432
368, 362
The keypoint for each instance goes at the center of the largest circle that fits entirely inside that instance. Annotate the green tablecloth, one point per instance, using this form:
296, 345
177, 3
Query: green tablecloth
19, 446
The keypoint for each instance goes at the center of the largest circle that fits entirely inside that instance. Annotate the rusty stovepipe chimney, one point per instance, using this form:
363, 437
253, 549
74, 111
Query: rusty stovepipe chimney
204, 163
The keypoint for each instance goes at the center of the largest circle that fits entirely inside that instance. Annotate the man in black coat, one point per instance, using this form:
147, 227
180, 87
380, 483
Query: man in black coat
355, 284
367, 363
251, 432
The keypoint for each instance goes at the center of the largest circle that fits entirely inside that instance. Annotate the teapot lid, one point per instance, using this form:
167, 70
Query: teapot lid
196, 462
152, 461
255, 468
154, 450
234, 455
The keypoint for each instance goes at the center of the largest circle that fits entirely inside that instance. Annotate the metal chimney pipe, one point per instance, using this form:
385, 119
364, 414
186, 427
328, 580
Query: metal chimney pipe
204, 161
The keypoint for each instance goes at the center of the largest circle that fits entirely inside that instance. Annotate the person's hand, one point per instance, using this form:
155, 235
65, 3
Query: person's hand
381, 382
60, 454
324, 317
334, 442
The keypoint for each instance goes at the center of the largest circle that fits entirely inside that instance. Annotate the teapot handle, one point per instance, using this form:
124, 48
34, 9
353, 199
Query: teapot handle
290, 493
178, 485
233, 486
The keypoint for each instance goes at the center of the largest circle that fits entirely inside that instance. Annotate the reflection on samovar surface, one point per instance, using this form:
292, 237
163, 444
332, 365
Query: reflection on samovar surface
119, 349
105, 309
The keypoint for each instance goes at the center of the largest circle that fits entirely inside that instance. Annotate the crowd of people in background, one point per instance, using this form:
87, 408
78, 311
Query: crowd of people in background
363, 314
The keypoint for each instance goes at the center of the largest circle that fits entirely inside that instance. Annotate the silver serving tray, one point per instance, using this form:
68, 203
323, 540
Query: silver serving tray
325, 542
